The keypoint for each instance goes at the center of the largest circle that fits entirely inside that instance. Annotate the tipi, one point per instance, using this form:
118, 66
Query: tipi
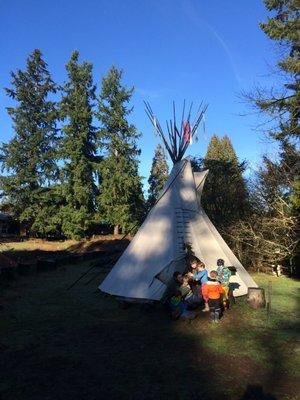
146, 267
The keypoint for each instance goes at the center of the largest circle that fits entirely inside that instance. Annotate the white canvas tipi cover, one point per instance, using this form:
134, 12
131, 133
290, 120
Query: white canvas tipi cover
157, 250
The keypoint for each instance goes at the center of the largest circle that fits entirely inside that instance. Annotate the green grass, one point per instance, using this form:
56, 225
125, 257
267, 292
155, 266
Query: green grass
79, 344
260, 335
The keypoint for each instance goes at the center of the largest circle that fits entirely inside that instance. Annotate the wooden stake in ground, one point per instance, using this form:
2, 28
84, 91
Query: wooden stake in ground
256, 297
269, 299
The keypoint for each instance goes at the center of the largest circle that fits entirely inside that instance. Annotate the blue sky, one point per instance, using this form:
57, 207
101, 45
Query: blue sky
169, 50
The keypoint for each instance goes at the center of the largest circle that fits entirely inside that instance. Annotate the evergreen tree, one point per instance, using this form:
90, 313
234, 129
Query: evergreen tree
78, 148
275, 178
158, 175
121, 199
228, 153
284, 28
29, 158
281, 103
214, 148
278, 182
225, 197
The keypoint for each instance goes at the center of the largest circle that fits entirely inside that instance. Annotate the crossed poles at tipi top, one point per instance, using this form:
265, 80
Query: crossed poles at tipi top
177, 140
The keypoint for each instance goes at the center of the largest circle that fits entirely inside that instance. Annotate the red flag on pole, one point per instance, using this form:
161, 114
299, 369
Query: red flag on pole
187, 132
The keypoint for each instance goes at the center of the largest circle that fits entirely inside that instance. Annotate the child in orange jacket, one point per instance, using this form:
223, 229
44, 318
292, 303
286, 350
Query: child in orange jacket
212, 292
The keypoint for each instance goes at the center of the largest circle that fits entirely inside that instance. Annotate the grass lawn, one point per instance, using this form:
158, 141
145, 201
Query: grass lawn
79, 344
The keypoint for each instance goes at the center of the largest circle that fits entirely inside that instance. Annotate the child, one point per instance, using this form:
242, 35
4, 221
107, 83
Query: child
185, 288
193, 264
187, 294
192, 300
200, 274
223, 277
212, 291
177, 305
192, 270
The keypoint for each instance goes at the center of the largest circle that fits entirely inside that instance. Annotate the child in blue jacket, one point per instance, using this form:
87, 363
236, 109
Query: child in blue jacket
200, 277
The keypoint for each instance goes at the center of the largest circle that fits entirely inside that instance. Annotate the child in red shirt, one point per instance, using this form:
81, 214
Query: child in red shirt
212, 292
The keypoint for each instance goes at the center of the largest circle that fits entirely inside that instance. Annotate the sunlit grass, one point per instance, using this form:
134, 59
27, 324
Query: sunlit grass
58, 245
256, 333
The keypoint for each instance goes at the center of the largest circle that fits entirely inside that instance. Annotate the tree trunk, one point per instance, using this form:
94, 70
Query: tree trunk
256, 298
116, 229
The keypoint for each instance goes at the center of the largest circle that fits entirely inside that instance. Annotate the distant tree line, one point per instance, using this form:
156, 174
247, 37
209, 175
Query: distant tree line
72, 162
73, 159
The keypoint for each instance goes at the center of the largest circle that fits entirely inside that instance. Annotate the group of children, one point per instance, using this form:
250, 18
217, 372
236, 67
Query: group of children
196, 289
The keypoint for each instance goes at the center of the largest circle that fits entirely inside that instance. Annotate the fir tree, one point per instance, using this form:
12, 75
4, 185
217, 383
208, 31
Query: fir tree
225, 197
78, 147
214, 148
281, 102
121, 199
284, 28
158, 175
227, 151
279, 180
29, 159
276, 179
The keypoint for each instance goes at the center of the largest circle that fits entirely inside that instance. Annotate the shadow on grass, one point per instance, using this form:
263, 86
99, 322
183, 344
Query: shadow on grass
79, 344
120, 355
25, 261
254, 392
